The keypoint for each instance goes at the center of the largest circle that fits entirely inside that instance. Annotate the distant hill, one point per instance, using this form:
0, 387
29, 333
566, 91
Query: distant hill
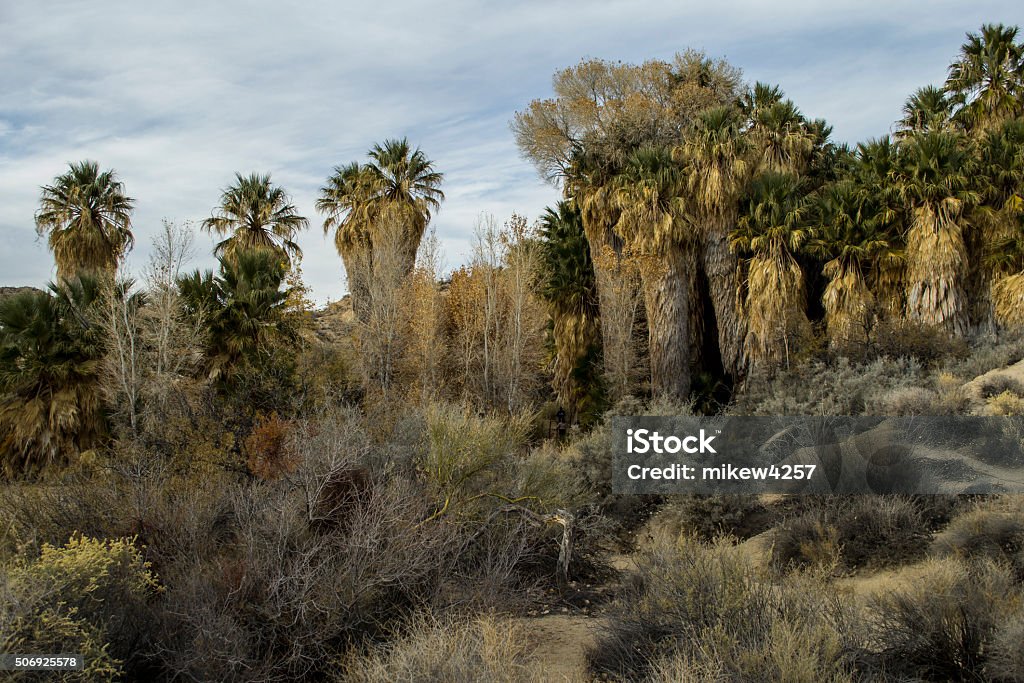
6, 292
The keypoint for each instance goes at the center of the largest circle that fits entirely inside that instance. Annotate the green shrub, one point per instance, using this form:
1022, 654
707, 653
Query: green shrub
86, 597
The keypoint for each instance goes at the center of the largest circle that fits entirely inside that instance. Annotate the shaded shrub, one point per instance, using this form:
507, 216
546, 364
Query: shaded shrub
944, 623
926, 344
997, 384
1007, 660
452, 650
86, 597
857, 531
993, 530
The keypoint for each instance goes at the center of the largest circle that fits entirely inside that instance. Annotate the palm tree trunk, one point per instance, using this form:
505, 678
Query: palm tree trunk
357, 271
722, 267
667, 300
936, 270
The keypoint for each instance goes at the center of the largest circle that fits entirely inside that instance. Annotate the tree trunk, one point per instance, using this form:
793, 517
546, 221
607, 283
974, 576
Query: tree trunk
722, 268
667, 300
357, 270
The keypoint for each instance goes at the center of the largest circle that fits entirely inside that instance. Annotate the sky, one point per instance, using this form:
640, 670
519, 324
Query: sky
179, 96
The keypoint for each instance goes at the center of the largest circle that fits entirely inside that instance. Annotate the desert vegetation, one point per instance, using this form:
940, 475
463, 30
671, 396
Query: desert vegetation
202, 477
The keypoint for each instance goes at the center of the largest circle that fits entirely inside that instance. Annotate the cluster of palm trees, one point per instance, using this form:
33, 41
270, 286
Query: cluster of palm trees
756, 223
52, 345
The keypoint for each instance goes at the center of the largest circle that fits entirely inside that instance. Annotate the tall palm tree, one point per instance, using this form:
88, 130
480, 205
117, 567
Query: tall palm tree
51, 353
255, 214
873, 170
569, 287
929, 108
86, 217
772, 230
345, 201
648, 192
987, 79
932, 179
714, 157
398, 187
407, 187
852, 245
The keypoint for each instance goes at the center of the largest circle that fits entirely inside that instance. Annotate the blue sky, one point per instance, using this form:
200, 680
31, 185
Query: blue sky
179, 96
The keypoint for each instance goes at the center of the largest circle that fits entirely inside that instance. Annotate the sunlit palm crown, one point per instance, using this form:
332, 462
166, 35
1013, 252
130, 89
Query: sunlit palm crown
649, 196
397, 179
255, 214
987, 79
713, 154
86, 216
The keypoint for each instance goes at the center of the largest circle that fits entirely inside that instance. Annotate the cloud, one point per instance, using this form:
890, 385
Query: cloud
178, 97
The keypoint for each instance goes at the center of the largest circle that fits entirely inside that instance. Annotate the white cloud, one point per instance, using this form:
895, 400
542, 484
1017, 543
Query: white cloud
178, 97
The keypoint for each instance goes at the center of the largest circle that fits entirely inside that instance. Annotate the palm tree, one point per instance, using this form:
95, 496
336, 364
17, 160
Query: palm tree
781, 139
772, 230
714, 157
648, 194
87, 219
51, 353
853, 245
1000, 216
929, 108
255, 214
405, 186
932, 180
398, 187
569, 287
759, 98
345, 201
987, 79
243, 309
880, 204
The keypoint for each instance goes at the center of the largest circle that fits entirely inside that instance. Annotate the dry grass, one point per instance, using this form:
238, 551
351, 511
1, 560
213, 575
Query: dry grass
453, 650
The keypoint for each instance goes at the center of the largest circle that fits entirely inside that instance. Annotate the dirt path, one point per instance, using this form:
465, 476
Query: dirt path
559, 643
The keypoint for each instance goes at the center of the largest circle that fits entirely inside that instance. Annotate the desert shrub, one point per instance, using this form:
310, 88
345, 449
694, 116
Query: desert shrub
1007, 660
994, 385
992, 530
906, 401
926, 344
266, 449
818, 388
1005, 403
857, 531
942, 625
707, 517
704, 607
289, 594
87, 596
988, 352
460, 651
